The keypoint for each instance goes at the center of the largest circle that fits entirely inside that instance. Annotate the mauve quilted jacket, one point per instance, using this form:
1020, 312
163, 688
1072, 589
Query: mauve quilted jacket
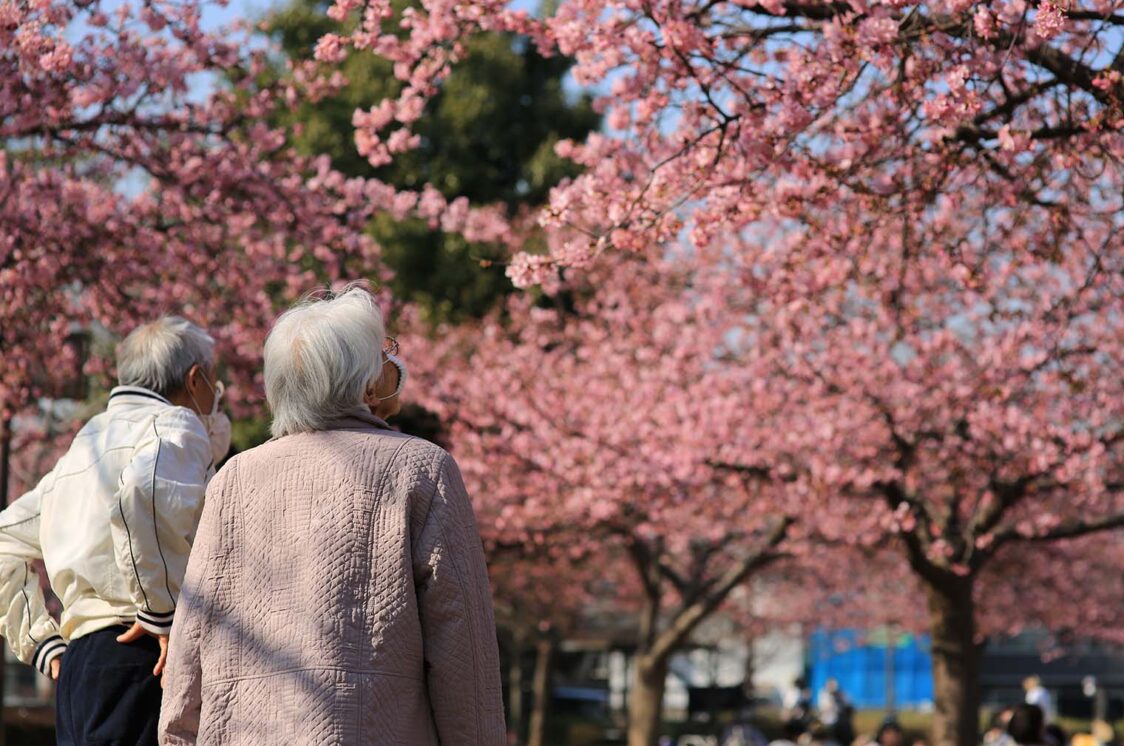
336, 594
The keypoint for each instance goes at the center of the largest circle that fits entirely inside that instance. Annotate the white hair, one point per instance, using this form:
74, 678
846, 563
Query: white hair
158, 355
320, 358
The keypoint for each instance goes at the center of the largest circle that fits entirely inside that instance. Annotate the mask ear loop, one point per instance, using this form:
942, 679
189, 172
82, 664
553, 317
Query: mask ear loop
218, 388
401, 366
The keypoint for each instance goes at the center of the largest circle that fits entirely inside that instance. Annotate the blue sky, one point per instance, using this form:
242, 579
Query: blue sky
216, 15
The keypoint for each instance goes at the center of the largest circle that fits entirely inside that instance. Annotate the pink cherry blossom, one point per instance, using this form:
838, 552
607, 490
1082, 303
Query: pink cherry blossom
1049, 21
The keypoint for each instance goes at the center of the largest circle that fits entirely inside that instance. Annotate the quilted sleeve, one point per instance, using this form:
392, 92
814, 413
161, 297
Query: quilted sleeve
458, 627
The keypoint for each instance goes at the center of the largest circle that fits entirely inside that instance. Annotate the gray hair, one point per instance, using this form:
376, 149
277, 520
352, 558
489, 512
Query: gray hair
158, 355
320, 358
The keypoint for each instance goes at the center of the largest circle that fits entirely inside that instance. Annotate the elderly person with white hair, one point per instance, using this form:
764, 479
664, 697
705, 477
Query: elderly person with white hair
337, 592
113, 524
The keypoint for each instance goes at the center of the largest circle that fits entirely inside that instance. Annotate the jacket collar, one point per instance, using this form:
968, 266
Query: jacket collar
357, 418
135, 395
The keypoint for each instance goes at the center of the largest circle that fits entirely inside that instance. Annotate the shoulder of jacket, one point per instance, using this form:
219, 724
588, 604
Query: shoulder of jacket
175, 422
421, 454
94, 425
228, 473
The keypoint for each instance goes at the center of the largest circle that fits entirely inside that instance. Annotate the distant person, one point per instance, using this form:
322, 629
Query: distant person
796, 703
845, 725
890, 733
829, 703
113, 523
792, 730
1027, 726
996, 733
1104, 732
836, 712
742, 734
337, 591
1056, 735
819, 735
1036, 694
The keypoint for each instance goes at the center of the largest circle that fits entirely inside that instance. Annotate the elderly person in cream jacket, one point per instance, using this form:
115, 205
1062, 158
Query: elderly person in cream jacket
336, 592
113, 523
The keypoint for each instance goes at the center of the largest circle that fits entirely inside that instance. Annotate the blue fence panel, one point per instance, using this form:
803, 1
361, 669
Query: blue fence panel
857, 660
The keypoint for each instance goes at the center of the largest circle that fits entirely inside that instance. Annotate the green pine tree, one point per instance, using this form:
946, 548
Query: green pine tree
488, 135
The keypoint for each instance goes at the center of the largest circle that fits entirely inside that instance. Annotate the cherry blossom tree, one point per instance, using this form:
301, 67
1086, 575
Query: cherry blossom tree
721, 112
954, 410
139, 175
594, 429
900, 321
960, 377
917, 205
126, 190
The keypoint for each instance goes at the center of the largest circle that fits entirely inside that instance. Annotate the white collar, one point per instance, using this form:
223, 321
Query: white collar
136, 391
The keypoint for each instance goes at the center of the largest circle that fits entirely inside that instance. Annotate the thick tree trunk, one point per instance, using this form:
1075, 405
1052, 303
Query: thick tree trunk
657, 646
540, 707
645, 711
515, 688
747, 677
956, 663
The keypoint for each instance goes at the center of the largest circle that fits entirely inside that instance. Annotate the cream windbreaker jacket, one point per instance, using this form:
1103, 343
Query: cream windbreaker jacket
113, 523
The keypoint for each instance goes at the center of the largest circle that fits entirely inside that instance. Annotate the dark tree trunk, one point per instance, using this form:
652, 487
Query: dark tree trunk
956, 662
515, 715
747, 678
540, 707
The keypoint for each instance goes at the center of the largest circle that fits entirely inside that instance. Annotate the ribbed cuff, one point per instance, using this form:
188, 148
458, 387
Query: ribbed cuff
48, 650
157, 624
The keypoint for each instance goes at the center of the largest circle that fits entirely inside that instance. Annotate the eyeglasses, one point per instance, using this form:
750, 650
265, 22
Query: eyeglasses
390, 346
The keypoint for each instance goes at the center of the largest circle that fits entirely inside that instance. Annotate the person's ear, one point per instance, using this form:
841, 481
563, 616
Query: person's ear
191, 380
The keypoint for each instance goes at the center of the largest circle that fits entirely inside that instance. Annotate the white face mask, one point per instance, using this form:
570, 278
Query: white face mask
217, 424
219, 430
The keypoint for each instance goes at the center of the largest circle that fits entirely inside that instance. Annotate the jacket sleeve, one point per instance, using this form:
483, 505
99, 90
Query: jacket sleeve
458, 627
183, 676
155, 513
30, 631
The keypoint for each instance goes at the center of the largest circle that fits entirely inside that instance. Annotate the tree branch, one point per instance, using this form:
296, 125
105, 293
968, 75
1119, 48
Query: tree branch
646, 568
751, 470
1092, 15
690, 616
1066, 69
1067, 530
1007, 495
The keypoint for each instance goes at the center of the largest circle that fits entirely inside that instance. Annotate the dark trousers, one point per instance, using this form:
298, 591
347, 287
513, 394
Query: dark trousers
107, 695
